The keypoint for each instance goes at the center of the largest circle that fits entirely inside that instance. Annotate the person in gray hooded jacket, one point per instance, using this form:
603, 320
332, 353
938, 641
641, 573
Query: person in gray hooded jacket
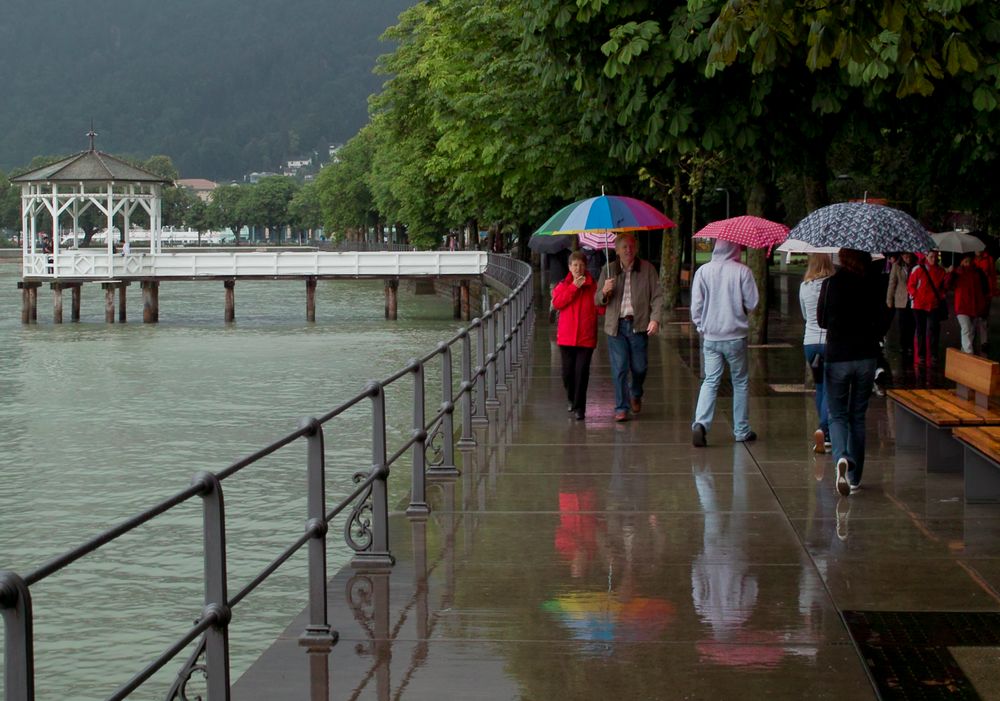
723, 292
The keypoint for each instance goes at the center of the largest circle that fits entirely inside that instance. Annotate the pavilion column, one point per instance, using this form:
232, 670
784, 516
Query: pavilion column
464, 302
230, 300
150, 301
109, 302
311, 299
391, 298
57, 303
75, 304
456, 302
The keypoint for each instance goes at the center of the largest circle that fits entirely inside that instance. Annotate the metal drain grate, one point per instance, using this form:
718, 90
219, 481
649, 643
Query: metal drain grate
907, 653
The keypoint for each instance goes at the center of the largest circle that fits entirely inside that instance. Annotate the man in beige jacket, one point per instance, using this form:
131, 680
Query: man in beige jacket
630, 289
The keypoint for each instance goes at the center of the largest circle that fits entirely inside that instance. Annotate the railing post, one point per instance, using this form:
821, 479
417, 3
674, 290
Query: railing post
318, 628
19, 658
509, 338
377, 555
447, 467
501, 347
491, 361
480, 418
418, 490
467, 440
216, 597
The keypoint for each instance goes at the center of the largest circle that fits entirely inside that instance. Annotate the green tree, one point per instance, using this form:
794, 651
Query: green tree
267, 204
305, 214
346, 202
229, 208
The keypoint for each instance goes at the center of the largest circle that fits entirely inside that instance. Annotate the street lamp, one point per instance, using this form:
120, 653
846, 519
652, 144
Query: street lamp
725, 190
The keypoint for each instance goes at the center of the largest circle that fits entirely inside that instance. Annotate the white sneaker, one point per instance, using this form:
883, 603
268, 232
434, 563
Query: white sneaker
843, 486
855, 488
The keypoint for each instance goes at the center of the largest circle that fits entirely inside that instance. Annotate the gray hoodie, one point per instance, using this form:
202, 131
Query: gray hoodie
722, 295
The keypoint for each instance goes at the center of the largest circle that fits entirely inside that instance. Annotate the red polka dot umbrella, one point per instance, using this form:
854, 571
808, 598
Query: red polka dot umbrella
752, 232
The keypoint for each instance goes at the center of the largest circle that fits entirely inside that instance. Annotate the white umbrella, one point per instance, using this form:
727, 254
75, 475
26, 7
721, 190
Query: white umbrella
790, 246
957, 242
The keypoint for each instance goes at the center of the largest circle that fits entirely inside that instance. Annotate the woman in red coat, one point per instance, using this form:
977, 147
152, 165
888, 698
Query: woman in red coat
927, 290
972, 299
576, 334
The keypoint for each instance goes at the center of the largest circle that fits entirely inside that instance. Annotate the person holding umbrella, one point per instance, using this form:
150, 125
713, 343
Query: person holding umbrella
576, 334
897, 300
984, 261
723, 292
851, 310
630, 289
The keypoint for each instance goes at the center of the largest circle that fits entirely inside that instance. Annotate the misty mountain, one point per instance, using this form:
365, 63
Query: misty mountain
223, 87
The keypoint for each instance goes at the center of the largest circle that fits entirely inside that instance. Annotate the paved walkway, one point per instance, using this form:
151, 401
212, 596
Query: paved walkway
595, 560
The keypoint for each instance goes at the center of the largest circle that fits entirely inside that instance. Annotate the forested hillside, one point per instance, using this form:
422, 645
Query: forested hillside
223, 87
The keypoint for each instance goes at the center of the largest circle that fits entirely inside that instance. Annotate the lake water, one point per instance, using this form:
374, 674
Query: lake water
98, 422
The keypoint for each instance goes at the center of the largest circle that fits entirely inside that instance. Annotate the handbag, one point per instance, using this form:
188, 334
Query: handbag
941, 311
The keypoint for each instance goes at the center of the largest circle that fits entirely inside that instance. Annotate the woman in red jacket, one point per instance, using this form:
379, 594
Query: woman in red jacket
927, 290
972, 299
576, 334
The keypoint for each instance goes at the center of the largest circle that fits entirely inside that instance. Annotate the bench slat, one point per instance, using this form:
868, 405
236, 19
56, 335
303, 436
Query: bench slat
941, 413
990, 417
986, 439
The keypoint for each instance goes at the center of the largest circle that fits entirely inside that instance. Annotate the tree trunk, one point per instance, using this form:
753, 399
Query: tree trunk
758, 204
672, 246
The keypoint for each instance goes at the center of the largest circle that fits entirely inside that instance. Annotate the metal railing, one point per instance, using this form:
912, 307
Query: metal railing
502, 337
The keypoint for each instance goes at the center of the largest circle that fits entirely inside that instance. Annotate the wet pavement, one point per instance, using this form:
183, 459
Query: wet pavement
593, 560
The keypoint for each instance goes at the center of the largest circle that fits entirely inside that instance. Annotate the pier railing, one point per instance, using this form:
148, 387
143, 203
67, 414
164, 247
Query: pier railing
490, 352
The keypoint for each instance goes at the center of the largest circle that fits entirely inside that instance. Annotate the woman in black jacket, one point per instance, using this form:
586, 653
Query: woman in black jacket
852, 310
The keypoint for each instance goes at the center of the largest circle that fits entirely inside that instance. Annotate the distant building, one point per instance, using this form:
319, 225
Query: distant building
201, 187
296, 164
334, 150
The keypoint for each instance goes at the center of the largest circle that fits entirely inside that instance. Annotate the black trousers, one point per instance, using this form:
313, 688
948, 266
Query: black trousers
907, 326
928, 333
576, 375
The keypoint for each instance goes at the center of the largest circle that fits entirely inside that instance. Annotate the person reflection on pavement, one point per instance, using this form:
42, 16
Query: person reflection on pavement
723, 591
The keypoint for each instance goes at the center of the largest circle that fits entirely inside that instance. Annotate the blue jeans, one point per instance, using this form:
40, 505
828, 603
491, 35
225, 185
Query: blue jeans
627, 352
848, 388
734, 354
812, 350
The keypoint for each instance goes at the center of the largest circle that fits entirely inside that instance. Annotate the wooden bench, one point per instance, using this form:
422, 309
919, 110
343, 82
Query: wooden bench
982, 463
925, 418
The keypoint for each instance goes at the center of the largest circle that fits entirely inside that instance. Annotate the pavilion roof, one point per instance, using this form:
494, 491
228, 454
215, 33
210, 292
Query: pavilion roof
90, 166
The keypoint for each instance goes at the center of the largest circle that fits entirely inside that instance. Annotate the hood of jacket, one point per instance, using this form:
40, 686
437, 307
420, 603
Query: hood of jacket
726, 250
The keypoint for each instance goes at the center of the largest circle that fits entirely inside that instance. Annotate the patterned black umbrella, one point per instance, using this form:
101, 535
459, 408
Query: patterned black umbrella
863, 226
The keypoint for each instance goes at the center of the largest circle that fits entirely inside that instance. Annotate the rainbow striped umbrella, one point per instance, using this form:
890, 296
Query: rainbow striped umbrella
604, 214
596, 219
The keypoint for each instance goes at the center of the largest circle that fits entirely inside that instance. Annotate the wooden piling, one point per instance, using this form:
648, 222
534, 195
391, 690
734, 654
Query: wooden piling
57, 303
310, 299
74, 314
122, 314
230, 300
464, 302
150, 313
456, 302
29, 301
109, 302
391, 298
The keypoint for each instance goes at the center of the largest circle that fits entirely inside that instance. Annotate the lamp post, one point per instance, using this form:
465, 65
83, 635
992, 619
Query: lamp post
725, 190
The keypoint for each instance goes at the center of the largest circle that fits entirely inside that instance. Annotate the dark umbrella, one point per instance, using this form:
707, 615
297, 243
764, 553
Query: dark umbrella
863, 226
550, 244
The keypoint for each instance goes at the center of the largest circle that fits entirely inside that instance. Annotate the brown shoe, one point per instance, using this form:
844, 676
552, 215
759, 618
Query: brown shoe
819, 442
621, 416
636, 403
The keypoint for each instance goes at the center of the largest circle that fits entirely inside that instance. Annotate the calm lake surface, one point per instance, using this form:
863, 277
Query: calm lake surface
98, 422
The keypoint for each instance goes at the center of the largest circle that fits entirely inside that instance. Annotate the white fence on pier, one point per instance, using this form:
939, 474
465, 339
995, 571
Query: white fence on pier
191, 265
